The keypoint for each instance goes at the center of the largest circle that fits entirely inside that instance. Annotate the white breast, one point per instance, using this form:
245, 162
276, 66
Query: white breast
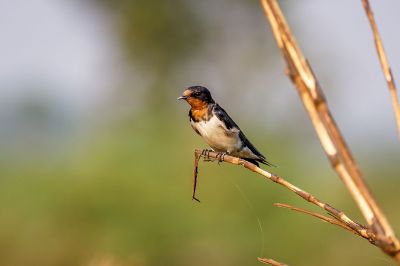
217, 135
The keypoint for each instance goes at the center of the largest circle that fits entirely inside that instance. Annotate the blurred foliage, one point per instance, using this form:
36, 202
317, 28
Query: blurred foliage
161, 34
157, 36
123, 198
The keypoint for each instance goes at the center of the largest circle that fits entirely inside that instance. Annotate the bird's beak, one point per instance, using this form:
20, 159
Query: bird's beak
182, 98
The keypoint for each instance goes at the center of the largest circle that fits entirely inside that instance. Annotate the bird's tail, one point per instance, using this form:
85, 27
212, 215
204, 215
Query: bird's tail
260, 160
264, 161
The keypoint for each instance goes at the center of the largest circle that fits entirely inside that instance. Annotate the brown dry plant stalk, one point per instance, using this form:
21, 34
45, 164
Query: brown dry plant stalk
342, 219
317, 215
384, 62
339, 218
329, 134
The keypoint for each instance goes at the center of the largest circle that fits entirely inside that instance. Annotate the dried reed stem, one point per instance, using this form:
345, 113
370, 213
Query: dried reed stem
329, 134
195, 171
317, 215
271, 262
357, 228
384, 62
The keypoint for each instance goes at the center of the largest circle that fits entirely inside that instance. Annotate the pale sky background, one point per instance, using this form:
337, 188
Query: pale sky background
67, 52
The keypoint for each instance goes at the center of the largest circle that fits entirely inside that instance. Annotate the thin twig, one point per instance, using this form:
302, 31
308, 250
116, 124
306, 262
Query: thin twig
329, 134
339, 215
271, 262
319, 216
195, 174
384, 62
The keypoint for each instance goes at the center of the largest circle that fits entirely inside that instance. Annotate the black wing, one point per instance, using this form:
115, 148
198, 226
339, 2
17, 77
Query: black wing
229, 123
224, 117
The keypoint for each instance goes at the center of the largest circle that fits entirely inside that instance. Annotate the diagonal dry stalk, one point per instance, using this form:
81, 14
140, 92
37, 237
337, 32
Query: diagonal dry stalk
329, 134
317, 215
340, 216
384, 62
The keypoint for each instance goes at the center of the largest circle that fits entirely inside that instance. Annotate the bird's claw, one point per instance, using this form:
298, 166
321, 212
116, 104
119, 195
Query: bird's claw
206, 155
220, 157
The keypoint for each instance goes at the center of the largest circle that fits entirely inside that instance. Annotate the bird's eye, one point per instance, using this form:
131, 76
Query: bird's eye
196, 94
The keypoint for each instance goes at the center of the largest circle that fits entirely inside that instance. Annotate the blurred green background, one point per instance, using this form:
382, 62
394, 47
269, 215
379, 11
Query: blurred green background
96, 154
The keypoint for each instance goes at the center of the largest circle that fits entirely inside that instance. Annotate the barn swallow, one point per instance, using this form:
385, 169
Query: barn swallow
217, 128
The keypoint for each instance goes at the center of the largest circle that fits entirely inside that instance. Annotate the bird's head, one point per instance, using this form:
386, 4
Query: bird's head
197, 96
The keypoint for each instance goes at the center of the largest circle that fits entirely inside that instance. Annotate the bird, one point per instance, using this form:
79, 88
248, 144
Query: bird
209, 120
